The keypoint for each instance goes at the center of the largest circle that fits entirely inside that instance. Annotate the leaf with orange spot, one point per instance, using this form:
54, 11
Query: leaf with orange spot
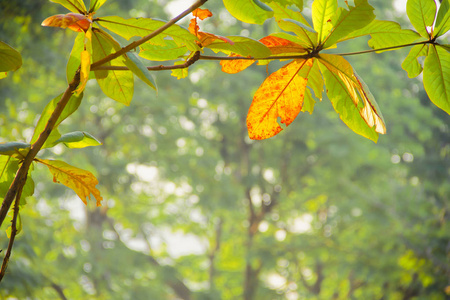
73, 21
82, 182
235, 66
280, 95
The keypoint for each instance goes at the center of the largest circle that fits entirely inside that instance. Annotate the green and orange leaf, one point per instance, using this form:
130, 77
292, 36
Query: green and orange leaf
82, 182
350, 97
73, 21
279, 96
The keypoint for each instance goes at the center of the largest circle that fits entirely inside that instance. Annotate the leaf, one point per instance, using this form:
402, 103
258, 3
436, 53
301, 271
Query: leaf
305, 35
10, 58
72, 105
350, 97
436, 77
95, 5
82, 182
135, 65
235, 66
85, 68
315, 80
129, 28
281, 11
73, 21
241, 45
248, 11
118, 85
72, 5
75, 57
78, 139
384, 34
3, 75
347, 21
322, 12
170, 51
202, 13
280, 95
308, 102
8, 170
15, 149
179, 73
421, 14
442, 19
411, 64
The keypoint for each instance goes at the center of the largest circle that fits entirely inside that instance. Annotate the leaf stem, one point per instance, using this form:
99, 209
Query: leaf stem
384, 49
139, 42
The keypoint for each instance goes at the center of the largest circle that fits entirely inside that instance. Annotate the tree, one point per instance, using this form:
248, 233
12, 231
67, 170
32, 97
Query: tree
255, 216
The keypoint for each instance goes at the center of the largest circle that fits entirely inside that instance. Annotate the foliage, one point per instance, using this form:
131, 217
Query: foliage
283, 94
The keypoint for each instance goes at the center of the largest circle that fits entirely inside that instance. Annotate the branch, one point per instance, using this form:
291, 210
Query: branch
188, 63
13, 234
139, 42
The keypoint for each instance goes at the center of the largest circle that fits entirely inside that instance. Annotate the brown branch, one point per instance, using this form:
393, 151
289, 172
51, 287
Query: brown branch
139, 42
188, 63
59, 290
13, 233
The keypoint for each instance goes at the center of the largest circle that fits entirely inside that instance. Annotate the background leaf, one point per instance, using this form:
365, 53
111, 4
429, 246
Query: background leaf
82, 182
10, 58
436, 77
249, 11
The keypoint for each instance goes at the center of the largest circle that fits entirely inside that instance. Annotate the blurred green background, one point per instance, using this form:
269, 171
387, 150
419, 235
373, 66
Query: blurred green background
193, 209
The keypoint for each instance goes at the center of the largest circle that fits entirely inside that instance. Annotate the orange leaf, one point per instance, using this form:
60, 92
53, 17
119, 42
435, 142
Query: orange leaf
202, 13
280, 95
193, 27
80, 181
279, 45
235, 66
73, 21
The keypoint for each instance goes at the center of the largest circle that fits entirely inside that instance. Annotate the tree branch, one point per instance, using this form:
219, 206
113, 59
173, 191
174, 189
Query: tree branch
13, 233
139, 42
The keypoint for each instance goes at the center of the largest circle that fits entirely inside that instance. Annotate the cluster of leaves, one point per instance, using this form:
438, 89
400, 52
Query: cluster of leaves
281, 97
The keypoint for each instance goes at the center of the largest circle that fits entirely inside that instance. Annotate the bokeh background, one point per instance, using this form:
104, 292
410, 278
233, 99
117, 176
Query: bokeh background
193, 209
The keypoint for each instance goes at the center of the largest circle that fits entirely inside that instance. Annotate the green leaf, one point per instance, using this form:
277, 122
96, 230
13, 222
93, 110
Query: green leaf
241, 45
169, 51
281, 11
135, 65
118, 85
72, 105
3, 75
305, 35
436, 77
308, 102
322, 12
421, 13
443, 19
411, 64
342, 90
129, 28
385, 34
315, 79
10, 58
249, 11
78, 139
8, 170
347, 21
76, 6
95, 4
15, 149
179, 73
75, 56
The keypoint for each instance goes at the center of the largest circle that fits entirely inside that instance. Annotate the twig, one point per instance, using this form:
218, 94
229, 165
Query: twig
139, 42
13, 233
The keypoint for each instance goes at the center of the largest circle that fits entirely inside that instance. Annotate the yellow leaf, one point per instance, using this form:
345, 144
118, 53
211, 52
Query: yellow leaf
280, 95
84, 71
82, 182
